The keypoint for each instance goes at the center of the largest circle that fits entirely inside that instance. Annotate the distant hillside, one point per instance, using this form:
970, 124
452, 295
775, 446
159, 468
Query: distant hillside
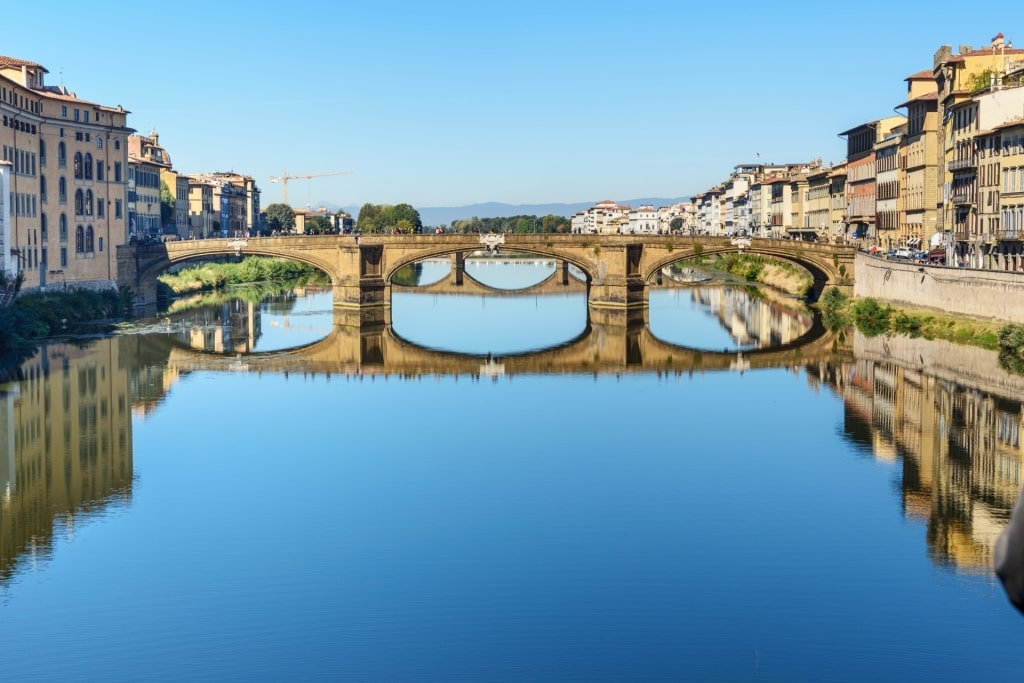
444, 215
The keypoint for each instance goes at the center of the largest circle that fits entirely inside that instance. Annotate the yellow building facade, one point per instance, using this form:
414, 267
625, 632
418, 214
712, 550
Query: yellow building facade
68, 188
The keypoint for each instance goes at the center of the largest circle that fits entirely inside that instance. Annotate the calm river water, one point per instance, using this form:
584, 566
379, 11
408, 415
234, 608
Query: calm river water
494, 488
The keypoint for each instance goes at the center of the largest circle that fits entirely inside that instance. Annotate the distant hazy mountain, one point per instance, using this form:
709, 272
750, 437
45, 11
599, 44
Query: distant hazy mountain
444, 215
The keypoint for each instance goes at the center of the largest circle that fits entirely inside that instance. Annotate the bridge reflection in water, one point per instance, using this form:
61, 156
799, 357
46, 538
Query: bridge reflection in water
613, 341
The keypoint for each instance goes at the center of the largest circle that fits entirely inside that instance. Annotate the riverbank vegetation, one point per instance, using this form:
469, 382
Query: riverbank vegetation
752, 268
35, 316
872, 318
207, 277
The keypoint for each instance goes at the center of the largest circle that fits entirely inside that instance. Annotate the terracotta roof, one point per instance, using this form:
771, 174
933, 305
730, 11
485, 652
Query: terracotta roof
921, 76
18, 63
932, 96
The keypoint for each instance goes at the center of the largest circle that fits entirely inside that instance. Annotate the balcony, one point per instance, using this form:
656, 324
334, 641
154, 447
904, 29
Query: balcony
1010, 235
962, 235
961, 198
960, 164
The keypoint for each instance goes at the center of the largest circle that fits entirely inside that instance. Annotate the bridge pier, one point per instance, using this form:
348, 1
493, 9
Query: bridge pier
361, 281
618, 283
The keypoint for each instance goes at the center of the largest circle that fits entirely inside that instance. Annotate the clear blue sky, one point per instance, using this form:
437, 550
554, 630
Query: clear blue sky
452, 103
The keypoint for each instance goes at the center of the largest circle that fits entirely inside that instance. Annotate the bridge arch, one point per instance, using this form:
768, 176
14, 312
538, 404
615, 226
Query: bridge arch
821, 270
574, 260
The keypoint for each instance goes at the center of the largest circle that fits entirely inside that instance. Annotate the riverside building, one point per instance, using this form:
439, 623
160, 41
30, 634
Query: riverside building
67, 183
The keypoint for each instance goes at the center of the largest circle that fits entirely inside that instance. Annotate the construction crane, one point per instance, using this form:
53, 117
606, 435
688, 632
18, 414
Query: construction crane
284, 178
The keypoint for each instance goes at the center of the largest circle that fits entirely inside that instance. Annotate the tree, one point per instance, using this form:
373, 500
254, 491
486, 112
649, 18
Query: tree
370, 219
167, 205
280, 217
318, 225
676, 223
405, 212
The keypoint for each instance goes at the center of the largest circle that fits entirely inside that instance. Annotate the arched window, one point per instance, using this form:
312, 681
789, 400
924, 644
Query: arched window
88, 202
62, 154
78, 164
88, 166
79, 203
62, 190
63, 227
89, 239
79, 239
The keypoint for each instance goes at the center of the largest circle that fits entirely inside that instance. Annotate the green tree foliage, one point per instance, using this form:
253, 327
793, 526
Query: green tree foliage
318, 225
410, 216
676, 223
167, 202
871, 317
549, 224
387, 218
280, 218
252, 269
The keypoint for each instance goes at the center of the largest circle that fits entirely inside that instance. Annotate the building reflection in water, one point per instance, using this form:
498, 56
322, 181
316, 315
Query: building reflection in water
232, 326
66, 450
753, 322
956, 440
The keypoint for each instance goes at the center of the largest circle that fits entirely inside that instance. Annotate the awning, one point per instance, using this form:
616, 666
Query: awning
936, 239
936, 254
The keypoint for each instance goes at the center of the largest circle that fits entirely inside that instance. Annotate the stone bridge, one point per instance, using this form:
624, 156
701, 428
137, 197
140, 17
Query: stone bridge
615, 341
618, 268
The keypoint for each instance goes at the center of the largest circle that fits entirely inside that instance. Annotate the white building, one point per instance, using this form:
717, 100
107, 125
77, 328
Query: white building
644, 220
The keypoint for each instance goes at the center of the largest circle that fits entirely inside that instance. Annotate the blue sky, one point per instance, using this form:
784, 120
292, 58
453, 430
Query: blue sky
452, 103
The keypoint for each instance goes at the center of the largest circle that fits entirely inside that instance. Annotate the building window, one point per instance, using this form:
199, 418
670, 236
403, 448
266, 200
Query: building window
79, 203
117, 208
43, 260
88, 202
63, 228
64, 110
62, 190
99, 142
88, 166
63, 257
90, 239
117, 171
42, 152
78, 165
79, 239
99, 207
42, 189
62, 154
43, 232
99, 170
101, 244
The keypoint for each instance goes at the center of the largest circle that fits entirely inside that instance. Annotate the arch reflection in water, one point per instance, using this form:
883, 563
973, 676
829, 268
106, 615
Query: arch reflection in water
226, 323
733, 317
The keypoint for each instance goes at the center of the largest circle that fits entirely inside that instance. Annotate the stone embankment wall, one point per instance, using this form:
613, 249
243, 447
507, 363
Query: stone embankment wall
986, 294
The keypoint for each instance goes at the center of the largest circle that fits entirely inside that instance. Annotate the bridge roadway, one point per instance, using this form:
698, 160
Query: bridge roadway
614, 342
618, 268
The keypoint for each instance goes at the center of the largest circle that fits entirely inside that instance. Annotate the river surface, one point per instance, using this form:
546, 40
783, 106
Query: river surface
507, 488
